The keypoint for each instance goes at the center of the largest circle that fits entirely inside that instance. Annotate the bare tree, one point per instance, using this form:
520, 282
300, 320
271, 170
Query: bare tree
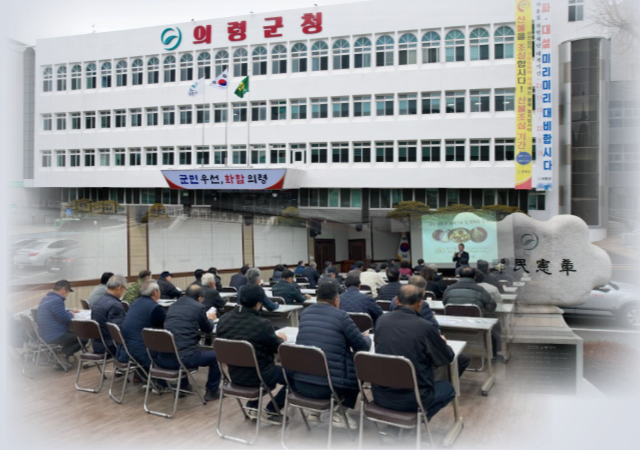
619, 18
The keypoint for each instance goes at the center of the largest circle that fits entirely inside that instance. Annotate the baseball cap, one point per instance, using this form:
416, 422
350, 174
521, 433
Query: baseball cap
62, 284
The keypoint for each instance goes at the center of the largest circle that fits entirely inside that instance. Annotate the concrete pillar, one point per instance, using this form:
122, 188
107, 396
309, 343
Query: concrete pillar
137, 244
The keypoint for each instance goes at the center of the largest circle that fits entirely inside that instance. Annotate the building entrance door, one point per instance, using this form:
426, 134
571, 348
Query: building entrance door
357, 249
325, 250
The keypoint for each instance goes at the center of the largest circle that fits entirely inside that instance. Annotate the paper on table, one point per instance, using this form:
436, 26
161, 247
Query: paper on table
446, 321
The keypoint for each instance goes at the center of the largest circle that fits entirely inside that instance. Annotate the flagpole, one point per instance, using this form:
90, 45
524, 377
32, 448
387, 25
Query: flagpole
249, 121
226, 129
204, 104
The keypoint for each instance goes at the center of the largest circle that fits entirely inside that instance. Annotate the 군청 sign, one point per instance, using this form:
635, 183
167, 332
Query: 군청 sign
223, 179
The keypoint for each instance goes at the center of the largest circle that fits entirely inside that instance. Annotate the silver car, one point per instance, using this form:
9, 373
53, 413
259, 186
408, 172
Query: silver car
36, 253
615, 300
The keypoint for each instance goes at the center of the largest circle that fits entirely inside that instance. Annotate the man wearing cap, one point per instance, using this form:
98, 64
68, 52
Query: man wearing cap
53, 320
167, 289
109, 309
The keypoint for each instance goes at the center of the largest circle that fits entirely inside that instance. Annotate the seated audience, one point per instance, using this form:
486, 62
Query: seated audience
109, 309
253, 277
212, 298
357, 269
390, 290
311, 274
483, 266
299, 268
405, 269
353, 301
100, 289
419, 267
502, 275
198, 276
239, 279
277, 273
490, 288
372, 279
437, 288
330, 276
133, 291
214, 271
167, 289
288, 290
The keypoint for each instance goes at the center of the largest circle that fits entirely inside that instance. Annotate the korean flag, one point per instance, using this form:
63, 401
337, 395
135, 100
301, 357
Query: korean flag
222, 80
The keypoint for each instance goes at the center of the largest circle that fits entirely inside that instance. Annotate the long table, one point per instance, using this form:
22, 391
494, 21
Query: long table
456, 346
292, 312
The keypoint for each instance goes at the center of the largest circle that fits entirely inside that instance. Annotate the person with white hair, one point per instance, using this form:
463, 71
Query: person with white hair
109, 309
212, 298
253, 277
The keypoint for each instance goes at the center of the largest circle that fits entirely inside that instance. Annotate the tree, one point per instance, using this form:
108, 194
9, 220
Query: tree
619, 18
291, 218
405, 211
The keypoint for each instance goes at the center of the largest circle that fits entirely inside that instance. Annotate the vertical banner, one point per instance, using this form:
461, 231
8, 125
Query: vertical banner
543, 115
524, 93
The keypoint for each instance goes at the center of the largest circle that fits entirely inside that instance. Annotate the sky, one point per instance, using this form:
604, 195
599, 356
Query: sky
28, 20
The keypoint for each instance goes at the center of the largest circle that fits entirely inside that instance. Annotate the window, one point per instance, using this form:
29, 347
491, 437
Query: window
239, 154
168, 115
121, 118
61, 78
479, 150
135, 157
152, 117
430, 47
454, 46
480, 101
453, 196
240, 58
298, 58
340, 54
505, 99
46, 158
136, 117
278, 109
61, 121
76, 75
362, 106
430, 151
151, 154
340, 106
75, 121
167, 156
105, 154
258, 111
504, 150
204, 65
153, 71
74, 158
384, 105
362, 53
221, 61
184, 155
202, 156
220, 113
384, 151
121, 73
384, 51
239, 112
170, 69
89, 120
259, 59
91, 76
203, 113
479, 45
279, 59
340, 152
318, 153
431, 103
407, 151
105, 75
47, 80
60, 158
408, 53
319, 56
186, 115
299, 109
454, 150
137, 68
537, 201
298, 153
278, 154
119, 157
504, 41
408, 104
186, 67
105, 119
576, 10
219, 154
258, 154
361, 152
318, 108
455, 102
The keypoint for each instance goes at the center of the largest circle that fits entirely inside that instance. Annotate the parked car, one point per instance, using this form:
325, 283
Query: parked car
36, 253
618, 301
17, 245
64, 261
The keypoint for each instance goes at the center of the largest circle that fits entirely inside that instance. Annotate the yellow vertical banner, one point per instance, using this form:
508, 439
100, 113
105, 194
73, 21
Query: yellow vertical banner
524, 94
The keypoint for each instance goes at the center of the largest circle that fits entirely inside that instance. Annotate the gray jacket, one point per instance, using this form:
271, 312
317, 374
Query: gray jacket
466, 291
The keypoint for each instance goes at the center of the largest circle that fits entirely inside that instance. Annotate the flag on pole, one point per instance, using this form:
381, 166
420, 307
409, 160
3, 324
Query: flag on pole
404, 249
221, 81
197, 88
243, 87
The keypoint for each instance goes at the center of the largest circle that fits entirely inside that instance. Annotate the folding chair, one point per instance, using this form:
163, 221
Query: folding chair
131, 365
278, 300
85, 304
384, 305
36, 347
395, 372
465, 310
229, 289
312, 361
237, 353
88, 331
429, 295
302, 280
162, 341
365, 287
362, 320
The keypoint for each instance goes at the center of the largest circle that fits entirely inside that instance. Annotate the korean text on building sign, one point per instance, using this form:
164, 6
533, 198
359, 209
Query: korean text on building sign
225, 179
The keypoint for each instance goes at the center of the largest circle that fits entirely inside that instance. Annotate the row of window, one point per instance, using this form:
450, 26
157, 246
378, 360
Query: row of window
319, 108
315, 153
302, 59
